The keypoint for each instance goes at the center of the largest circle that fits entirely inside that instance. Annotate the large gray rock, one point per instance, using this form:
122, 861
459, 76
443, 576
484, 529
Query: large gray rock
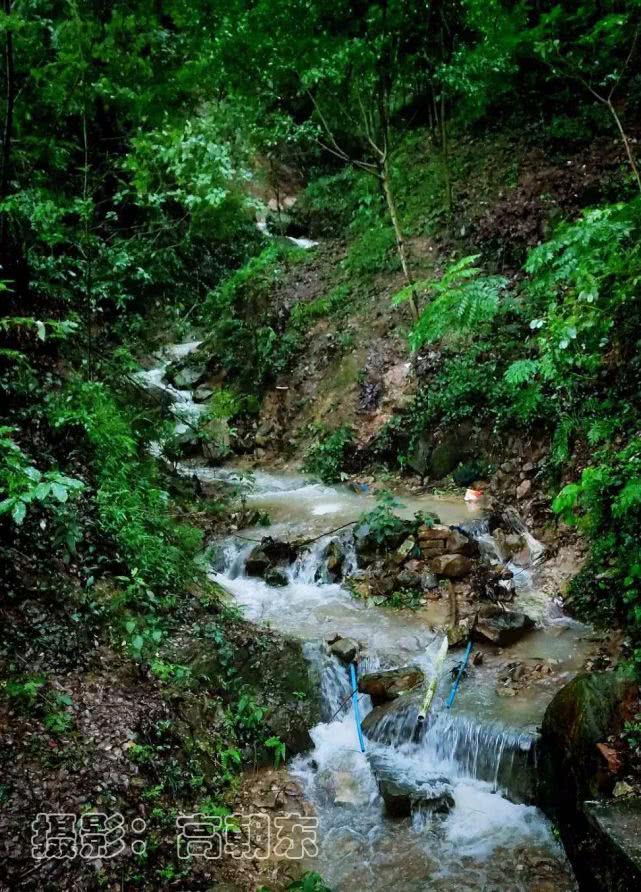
345, 649
389, 683
459, 543
419, 458
501, 627
402, 798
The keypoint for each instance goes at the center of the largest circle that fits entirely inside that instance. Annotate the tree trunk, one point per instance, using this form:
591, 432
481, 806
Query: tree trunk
12, 257
398, 233
626, 143
446, 159
10, 98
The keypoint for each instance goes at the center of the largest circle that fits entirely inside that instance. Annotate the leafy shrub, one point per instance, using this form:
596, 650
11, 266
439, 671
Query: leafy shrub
461, 300
326, 457
132, 506
23, 484
467, 473
238, 313
372, 251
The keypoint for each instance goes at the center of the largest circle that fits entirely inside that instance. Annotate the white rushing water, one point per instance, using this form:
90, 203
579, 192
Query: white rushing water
482, 751
484, 748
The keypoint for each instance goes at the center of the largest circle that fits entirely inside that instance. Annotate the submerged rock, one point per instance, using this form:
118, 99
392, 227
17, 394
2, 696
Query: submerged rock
276, 577
501, 627
389, 683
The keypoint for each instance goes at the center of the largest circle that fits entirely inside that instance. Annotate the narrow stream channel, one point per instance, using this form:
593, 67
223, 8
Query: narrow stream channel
483, 749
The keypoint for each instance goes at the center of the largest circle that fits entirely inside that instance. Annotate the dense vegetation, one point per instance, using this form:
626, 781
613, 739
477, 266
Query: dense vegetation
139, 140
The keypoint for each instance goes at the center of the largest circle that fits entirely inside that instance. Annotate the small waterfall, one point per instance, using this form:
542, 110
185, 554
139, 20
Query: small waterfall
448, 744
335, 688
231, 556
311, 565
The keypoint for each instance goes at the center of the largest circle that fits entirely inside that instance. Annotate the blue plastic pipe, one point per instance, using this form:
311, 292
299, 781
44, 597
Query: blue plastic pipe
459, 675
357, 714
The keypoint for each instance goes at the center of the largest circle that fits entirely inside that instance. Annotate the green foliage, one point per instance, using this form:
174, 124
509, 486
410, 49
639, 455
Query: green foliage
25, 690
23, 485
134, 509
470, 471
326, 457
372, 252
240, 319
460, 301
309, 882
336, 303
277, 747
381, 523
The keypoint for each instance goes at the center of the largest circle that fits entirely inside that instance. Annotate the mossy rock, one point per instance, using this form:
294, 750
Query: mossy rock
588, 710
573, 773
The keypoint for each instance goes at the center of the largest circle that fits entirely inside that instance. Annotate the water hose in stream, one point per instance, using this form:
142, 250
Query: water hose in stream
459, 675
431, 688
357, 714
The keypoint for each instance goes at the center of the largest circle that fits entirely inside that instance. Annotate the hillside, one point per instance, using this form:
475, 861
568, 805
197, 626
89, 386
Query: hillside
320, 353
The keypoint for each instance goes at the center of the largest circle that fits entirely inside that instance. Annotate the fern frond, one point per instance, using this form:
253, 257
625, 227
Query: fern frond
521, 371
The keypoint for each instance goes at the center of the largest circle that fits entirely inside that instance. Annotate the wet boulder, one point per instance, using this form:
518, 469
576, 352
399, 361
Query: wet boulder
216, 442
578, 774
389, 684
501, 627
402, 798
451, 566
258, 562
276, 577
459, 542
345, 649
334, 560
269, 553
187, 373
202, 394
509, 544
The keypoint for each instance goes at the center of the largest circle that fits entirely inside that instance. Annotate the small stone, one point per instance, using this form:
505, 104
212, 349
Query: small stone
523, 489
622, 788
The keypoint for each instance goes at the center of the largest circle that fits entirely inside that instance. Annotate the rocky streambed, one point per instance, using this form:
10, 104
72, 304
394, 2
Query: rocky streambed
448, 802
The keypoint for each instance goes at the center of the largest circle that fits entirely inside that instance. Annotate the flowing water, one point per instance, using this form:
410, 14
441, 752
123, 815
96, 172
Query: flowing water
483, 749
